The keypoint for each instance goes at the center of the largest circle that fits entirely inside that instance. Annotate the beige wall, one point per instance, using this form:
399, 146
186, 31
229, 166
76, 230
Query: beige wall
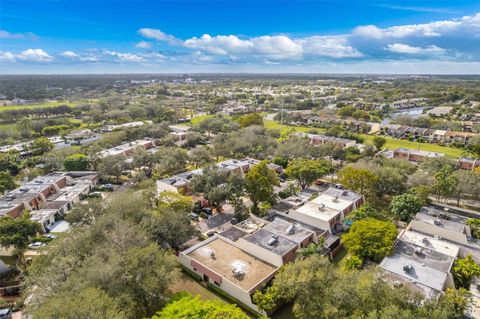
439, 231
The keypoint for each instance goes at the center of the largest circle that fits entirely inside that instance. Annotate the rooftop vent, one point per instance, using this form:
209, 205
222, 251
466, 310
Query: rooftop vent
290, 230
321, 207
437, 222
212, 254
408, 268
335, 199
273, 240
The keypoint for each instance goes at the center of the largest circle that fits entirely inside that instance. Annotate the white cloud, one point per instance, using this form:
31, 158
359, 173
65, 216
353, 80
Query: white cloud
431, 29
330, 46
158, 35
274, 47
143, 45
407, 49
9, 35
69, 54
29, 55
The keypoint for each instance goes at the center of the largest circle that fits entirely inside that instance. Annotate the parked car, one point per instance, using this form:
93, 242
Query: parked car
319, 182
5, 313
234, 221
51, 236
36, 245
212, 233
339, 186
193, 216
207, 210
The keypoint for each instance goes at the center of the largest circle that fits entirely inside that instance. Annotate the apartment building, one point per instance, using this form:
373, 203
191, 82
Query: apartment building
127, 149
180, 183
233, 269
426, 251
316, 139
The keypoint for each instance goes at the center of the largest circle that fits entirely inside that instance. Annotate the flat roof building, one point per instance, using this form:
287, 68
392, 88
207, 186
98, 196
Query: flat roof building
221, 262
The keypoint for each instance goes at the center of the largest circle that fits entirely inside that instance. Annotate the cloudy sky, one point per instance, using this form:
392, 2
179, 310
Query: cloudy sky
339, 36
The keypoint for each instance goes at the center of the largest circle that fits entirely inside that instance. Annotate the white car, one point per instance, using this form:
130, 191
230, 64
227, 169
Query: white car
51, 236
36, 245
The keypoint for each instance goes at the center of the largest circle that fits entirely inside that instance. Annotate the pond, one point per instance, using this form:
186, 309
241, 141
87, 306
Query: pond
412, 112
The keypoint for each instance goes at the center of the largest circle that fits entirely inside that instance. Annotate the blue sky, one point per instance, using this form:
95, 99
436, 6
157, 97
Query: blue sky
240, 36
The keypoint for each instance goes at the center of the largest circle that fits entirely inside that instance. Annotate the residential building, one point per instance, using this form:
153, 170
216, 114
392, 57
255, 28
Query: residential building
468, 163
316, 139
127, 149
223, 263
328, 210
426, 250
180, 183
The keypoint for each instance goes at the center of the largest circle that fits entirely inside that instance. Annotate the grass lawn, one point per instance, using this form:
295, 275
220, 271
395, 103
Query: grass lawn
188, 284
33, 106
393, 143
8, 127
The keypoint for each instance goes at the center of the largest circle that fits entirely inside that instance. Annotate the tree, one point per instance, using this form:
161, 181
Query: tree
184, 306
76, 162
6, 182
444, 183
250, 119
171, 160
16, 233
259, 182
307, 171
112, 166
41, 145
468, 185
474, 224
405, 206
357, 179
352, 262
379, 142
370, 239
363, 212
174, 201
200, 156
84, 304
464, 271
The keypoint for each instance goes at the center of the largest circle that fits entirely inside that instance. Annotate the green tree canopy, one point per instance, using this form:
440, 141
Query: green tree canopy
357, 179
306, 171
405, 206
370, 239
464, 271
84, 304
76, 162
184, 306
6, 182
259, 182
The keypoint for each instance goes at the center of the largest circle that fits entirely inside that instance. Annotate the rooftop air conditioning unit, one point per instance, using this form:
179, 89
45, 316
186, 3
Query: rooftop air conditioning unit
418, 251
437, 222
408, 268
335, 199
321, 207
273, 240
290, 230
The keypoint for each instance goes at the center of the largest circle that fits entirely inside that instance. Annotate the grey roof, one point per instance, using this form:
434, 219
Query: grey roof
342, 193
419, 273
233, 233
279, 226
440, 222
262, 237
428, 257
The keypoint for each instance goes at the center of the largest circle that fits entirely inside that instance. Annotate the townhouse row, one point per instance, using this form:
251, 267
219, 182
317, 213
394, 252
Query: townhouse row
48, 197
427, 134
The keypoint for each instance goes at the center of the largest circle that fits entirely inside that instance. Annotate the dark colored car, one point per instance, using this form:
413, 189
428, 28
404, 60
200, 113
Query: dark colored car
207, 210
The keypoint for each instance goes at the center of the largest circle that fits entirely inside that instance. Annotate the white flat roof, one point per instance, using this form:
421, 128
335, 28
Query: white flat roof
313, 210
431, 242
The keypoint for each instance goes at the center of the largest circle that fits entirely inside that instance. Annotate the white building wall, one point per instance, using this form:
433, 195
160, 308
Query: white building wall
260, 252
308, 220
439, 231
